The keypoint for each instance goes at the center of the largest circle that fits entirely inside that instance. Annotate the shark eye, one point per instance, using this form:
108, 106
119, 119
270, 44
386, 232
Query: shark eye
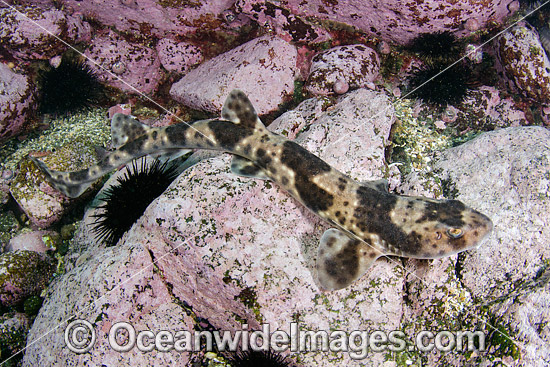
455, 232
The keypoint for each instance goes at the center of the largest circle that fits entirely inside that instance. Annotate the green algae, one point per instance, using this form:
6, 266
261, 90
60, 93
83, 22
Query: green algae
27, 271
9, 226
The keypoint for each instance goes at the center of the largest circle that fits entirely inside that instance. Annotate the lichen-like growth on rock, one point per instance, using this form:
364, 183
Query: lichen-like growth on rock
70, 87
125, 202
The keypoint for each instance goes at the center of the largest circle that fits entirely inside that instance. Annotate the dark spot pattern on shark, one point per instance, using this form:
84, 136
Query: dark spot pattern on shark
369, 221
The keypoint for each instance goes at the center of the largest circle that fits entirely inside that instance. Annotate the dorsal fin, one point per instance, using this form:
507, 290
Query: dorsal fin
238, 109
126, 128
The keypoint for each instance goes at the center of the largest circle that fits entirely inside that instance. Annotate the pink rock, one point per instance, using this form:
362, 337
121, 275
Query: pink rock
285, 24
44, 4
30, 32
152, 17
125, 109
32, 241
24, 273
396, 92
16, 101
206, 245
356, 64
472, 25
484, 105
133, 291
392, 20
178, 57
263, 68
41, 202
131, 67
522, 58
504, 174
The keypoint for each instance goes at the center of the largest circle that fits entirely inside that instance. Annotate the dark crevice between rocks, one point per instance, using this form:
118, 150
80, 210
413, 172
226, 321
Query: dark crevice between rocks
201, 324
459, 265
406, 287
528, 286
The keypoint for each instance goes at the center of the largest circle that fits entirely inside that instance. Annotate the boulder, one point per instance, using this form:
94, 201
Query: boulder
524, 62
263, 68
22, 274
16, 102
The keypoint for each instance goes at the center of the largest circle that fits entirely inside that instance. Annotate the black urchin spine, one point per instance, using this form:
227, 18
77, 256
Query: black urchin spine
125, 202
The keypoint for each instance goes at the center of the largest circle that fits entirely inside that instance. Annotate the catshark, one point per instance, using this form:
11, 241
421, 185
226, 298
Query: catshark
368, 221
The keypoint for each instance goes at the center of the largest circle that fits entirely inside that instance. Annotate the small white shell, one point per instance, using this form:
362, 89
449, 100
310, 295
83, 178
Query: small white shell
384, 48
340, 86
55, 61
472, 25
118, 67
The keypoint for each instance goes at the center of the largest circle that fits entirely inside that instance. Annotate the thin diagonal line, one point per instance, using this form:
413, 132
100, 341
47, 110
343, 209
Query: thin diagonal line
379, 114
384, 111
105, 69
95, 303
169, 112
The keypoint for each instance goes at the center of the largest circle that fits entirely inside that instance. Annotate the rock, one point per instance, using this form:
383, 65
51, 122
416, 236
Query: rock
6, 176
283, 22
31, 32
178, 57
483, 108
503, 283
8, 227
153, 18
137, 66
22, 274
232, 249
263, 68
522, 58
42, 203
356, 64
16, 102
133, 291
37, 241
392, 20
14, 327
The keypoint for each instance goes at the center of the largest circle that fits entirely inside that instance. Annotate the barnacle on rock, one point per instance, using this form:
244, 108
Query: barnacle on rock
125, 202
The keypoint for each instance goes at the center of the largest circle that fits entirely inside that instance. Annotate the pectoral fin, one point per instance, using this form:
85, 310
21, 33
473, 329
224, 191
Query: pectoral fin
342, 259
245, 167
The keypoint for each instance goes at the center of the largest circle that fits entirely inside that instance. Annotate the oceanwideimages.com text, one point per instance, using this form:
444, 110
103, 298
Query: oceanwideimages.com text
80, 337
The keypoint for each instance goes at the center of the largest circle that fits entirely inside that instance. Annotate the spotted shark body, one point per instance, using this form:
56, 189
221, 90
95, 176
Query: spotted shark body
368, 221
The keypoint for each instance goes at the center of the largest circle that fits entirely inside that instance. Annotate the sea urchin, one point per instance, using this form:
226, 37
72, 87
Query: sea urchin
439, 48
449, 87
259, 359
70, 87
124, 202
